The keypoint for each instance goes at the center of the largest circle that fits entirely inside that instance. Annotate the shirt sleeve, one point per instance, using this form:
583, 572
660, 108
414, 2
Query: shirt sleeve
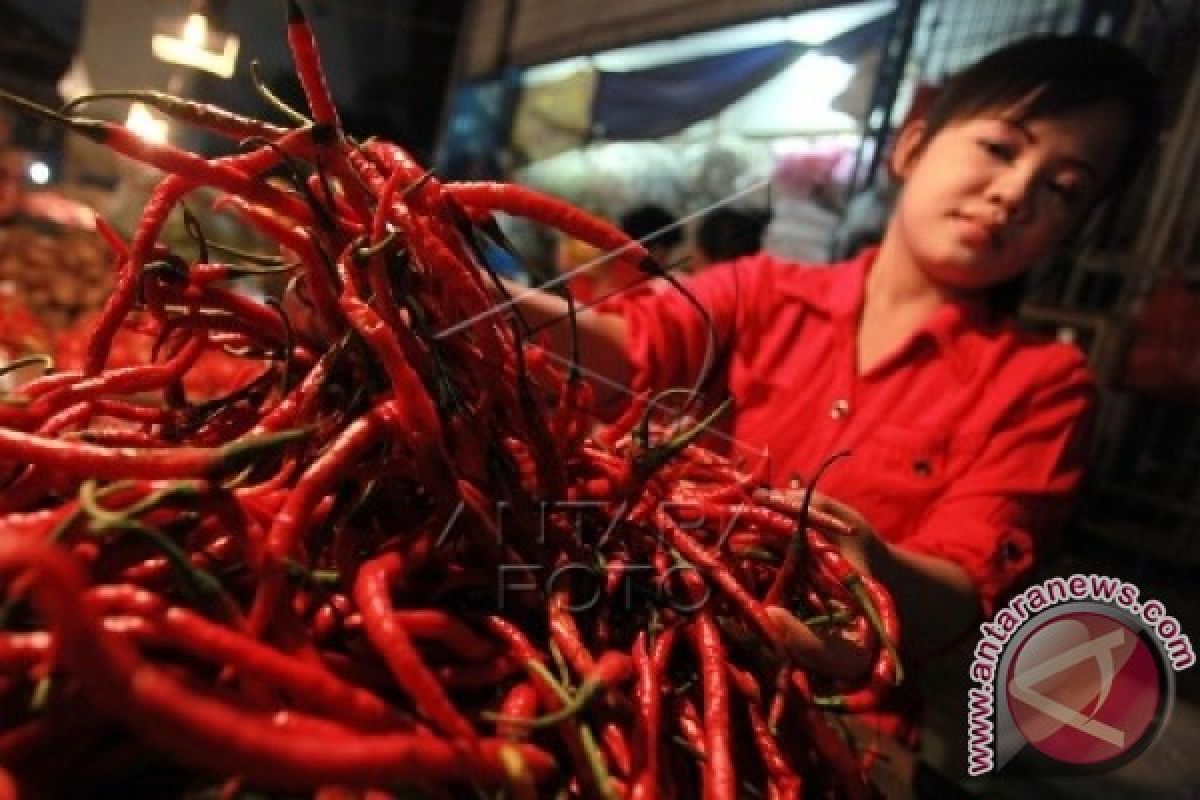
996, 519
673, 334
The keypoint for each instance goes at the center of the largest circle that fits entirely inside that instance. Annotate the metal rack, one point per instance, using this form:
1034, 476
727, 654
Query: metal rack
1145, 491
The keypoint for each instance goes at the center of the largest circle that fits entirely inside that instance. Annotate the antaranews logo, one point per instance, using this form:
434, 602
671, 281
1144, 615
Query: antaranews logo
1077, 673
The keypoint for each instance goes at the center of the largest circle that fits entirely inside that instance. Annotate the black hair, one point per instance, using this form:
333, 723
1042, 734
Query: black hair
1048, 76
727, 233
651, 225
1051, 75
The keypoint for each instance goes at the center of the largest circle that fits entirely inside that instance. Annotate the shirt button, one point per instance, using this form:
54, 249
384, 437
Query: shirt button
840, 409
1010, 551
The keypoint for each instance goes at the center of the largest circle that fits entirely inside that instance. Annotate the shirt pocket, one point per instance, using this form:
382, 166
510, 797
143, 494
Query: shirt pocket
903, 471
754, 392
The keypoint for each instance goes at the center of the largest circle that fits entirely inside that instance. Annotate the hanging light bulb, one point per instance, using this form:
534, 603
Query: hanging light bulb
39, 173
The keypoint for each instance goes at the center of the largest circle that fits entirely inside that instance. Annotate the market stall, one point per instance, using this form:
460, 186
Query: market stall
301, 495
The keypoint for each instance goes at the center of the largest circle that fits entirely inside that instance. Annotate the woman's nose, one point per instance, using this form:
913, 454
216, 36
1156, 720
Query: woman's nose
1012, 193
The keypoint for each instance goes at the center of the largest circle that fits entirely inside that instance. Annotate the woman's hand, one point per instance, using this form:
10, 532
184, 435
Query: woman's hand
833, 650
840, 523
936, 600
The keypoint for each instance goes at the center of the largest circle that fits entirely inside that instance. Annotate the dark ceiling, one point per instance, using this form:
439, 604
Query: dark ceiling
388, 60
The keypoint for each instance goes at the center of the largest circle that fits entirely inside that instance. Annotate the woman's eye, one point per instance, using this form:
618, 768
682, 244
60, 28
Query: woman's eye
1067, 193
1000, 150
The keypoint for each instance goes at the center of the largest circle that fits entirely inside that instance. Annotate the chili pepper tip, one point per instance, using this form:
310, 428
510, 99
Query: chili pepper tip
93, 129
295, 14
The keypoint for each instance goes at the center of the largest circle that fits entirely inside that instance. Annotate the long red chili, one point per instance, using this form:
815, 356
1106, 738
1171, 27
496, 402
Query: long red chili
371, 592
86, 460
525, 202
308, 66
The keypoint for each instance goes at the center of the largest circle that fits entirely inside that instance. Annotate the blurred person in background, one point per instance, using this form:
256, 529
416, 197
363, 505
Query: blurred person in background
584, 268
593, 276
657, 229
725, 234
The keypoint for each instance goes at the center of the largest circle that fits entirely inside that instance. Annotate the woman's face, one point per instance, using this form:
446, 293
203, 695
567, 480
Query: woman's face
989, 197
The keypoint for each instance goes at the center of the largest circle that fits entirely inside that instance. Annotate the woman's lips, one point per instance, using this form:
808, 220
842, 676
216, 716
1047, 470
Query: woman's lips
979, 233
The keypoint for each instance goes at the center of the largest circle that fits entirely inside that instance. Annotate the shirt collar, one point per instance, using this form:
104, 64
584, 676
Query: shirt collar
837, 292
954, 328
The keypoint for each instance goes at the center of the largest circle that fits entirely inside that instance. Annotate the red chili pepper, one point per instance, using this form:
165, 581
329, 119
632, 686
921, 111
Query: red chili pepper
113, 239
447, 630
420, 187
315, 689
298, 406
521, 702
549, 699
202, 115
525, 202
651, 668
124, 293
720, 781
832, 750
230, 739
302, 500
385, 630
87, 460
712, 569
565, 632
129, 380
784, 779
692, 728
308, 66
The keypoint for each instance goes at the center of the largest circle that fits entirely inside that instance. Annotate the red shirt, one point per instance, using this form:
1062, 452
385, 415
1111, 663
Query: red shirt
616, 275
967, 442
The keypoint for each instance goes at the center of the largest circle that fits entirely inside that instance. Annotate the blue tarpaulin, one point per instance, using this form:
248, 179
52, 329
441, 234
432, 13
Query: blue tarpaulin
655, 102
479, 117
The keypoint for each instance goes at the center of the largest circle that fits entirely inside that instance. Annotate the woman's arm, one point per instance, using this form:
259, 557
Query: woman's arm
659, 337
935, 598
603, 337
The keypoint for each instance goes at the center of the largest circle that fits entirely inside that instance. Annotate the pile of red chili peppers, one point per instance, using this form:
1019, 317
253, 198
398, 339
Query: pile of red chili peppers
385, 562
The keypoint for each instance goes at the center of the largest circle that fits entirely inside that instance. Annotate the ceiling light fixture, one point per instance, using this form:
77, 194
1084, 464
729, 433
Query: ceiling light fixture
192, 42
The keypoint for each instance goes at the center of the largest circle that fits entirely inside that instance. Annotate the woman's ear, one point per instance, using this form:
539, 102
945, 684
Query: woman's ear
906, 149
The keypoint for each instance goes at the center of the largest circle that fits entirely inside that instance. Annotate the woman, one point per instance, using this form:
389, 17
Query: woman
967, 436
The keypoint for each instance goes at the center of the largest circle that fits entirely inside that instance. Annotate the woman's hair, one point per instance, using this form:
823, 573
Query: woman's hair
1052, 75
1048, 76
